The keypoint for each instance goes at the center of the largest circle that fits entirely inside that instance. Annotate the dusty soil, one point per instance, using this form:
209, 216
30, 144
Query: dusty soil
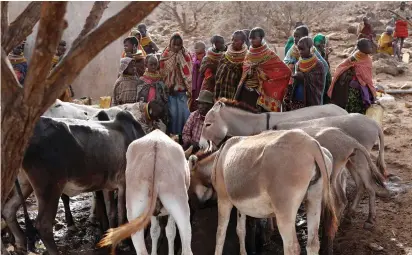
393, 232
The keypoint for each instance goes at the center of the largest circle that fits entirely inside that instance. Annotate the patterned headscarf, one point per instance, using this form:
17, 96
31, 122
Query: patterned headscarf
124, 63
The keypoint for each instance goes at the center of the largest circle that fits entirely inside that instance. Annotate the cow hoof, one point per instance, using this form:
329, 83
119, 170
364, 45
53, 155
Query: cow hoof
368, 225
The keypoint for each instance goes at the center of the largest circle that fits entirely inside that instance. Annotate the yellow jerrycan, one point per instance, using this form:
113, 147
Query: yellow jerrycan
375, 112
105, 102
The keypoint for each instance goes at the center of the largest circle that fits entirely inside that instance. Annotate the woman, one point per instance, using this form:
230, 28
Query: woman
309, 77
320, 43
197, 77
176, 69
19, 63
265, 77
229, 72
292, 58
211, 61
352, 86
290, 40
386, 42
152, 86
126, 86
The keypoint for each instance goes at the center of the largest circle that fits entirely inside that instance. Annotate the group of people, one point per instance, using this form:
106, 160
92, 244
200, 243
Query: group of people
177, 87
391, 41
184, 85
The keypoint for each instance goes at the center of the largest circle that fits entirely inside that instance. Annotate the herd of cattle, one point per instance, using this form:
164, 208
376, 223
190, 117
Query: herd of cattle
263, 164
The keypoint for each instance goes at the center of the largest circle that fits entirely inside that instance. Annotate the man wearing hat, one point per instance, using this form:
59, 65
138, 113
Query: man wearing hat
193, 127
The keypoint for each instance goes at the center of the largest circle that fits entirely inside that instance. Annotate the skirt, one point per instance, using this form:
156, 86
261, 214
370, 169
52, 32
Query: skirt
355, 103
178, 112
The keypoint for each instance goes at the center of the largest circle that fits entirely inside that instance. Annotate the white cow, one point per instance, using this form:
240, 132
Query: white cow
156, 170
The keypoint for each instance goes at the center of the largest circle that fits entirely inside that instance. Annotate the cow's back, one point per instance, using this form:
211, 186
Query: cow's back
158, 154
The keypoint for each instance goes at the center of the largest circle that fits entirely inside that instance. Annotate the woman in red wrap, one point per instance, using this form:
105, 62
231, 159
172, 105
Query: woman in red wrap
265, 77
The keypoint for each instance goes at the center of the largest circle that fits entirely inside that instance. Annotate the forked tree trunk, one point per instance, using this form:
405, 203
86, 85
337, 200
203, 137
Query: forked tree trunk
21, 107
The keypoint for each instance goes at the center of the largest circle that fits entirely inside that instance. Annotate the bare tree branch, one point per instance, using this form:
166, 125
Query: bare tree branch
92, 20
10, 85
79, 56
21, 27
51, 29
4, 18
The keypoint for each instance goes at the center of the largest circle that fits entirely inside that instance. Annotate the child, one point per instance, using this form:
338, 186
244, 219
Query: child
126, 86
148, 45
138, 36
197, 77
352, 86
193, 127
211, 61
152, 86
309, 77
176, 69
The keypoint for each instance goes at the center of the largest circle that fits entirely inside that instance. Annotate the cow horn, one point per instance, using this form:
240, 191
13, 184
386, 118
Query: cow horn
188, 152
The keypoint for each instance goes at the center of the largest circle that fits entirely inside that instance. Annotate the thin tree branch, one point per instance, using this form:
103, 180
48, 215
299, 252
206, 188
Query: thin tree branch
10, 87
4, 18
21, 27
92, 20
51, 28
79, 56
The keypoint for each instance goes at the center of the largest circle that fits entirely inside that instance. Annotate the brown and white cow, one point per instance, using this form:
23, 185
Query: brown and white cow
156, 171
270, 175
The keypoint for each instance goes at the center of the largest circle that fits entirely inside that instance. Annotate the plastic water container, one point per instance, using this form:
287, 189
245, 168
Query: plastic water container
405, 58
375, 112
105, 102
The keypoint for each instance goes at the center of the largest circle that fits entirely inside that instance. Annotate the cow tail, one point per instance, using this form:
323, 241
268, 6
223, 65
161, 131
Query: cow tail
330, 225
116, 235
381, 156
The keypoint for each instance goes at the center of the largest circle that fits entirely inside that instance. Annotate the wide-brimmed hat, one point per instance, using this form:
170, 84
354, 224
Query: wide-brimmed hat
205, 96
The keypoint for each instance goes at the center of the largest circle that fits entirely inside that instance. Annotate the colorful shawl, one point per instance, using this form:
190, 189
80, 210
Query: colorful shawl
273, 76
146, 43
146, 40
229, 72
311, 91
176, 69
362, 64
209, 67
19, 64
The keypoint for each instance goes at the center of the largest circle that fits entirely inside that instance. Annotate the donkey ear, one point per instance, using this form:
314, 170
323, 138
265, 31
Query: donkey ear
218, 105
188, 151
192, 162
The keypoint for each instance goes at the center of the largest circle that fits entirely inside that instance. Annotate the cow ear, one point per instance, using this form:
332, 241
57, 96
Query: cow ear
188, 152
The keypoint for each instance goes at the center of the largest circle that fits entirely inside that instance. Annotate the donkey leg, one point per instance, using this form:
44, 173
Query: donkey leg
241, 232
224, 210
154, 233
359, 188
313, 207
171, 234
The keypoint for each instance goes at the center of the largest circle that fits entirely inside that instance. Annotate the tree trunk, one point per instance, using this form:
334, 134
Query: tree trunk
21, 107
